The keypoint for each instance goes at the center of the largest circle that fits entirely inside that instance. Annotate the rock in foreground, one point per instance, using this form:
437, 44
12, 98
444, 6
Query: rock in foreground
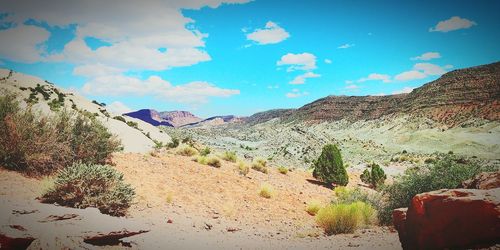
450, 218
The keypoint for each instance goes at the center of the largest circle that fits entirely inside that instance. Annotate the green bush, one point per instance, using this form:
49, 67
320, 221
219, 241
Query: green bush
243, 168
313, 207
36, 144
329, 167
345, 218
88, 185
447, 172
376, 177
120, 118
187, 151
174, 143
230, 156
214, 162
133, 124
260, 165
206, 151
345, 195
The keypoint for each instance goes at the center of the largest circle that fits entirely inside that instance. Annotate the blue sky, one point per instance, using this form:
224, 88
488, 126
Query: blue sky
212, 57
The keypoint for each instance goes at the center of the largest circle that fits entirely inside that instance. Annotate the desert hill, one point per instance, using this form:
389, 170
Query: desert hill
166, 118
135, 135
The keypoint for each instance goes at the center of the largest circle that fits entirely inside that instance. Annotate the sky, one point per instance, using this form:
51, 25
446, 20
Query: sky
239, 57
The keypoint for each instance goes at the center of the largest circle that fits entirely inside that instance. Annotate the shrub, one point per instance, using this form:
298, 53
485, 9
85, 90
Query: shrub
282, 170
174, 143
447, 172
133, 124
345, 218
214, 162
120, 118
313, 207
329, 167
266, 191
158, 144
230, 156
260, 165
375, 177
243, 168
187, 151
206, 151
89, 185
36, 144
201, 159
170, 198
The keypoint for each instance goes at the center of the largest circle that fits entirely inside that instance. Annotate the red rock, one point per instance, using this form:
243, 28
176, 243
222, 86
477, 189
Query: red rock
483, 181
170, 221
451, 218
399, 220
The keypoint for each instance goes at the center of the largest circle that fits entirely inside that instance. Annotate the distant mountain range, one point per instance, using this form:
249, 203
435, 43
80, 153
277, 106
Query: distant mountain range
180, 118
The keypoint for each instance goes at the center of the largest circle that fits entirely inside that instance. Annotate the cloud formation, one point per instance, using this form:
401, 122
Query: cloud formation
346, 46
422, 70
303, 61
272, 33
402, 91
376, 77
454, 23
296, 93
118, 108
301, 79
427, 56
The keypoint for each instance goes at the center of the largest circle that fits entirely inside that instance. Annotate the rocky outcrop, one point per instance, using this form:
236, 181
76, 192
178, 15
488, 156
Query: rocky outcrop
486, 180
216, 121
31, 225
179, 118
150, 116
452, 99
450, 218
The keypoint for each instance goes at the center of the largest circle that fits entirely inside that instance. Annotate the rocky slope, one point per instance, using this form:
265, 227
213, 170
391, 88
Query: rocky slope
135, 135
167, 118
216, 120
452, 99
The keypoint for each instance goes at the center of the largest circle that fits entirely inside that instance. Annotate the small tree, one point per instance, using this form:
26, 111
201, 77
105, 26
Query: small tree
375, 177
329, 166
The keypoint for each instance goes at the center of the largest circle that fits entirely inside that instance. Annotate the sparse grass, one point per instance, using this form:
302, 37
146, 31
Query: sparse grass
243, 168
230, 156
187, 151
345, 218
201, 159
313, 207
260, 165
282, 170
214, 162
266, 191
170, 198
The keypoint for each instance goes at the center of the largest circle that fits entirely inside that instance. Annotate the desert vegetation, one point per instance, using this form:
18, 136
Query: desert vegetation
329, 167
374, 175
266, 191
260, 165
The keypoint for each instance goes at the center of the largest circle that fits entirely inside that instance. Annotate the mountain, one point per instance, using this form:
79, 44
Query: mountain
453, 98
46, 97
459, 113
216, 120
167, 118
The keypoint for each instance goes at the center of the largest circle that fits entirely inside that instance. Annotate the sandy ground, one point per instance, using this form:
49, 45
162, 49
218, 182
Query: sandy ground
216, 208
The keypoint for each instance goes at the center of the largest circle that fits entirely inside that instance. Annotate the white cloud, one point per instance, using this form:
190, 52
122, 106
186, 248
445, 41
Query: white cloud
348, 81
454, 23
376, 77
303, 61
402, 91
379, 94
410, 75
427, 56
135, 32
448, 66
345, 46
271, 34
118, 108
22, 43
429, 69
301, 79
328, 61
296, 93
352, 86
95, 70
192, 93
273, 86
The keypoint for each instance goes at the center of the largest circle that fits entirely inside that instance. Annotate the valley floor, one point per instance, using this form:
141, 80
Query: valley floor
216, 208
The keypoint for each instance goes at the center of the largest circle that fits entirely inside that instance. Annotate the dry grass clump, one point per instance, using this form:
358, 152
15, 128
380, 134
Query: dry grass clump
211, 161
345, 218
266, 191
313, 207
170, 198
260, 165
243, 168
230, 156
282, 170
187, 151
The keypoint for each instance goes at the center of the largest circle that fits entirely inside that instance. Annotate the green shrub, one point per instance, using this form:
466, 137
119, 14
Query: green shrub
260, 165
243, 168
345, 195
230, 156
376, 177
187, 151
174, 143
329, 167
202, 159
158, 144
36, 144
133, 124
206, 151
88, 185
282, 170
313, 207
345, 218
120, 118
266, 191
214, 162
447, 172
